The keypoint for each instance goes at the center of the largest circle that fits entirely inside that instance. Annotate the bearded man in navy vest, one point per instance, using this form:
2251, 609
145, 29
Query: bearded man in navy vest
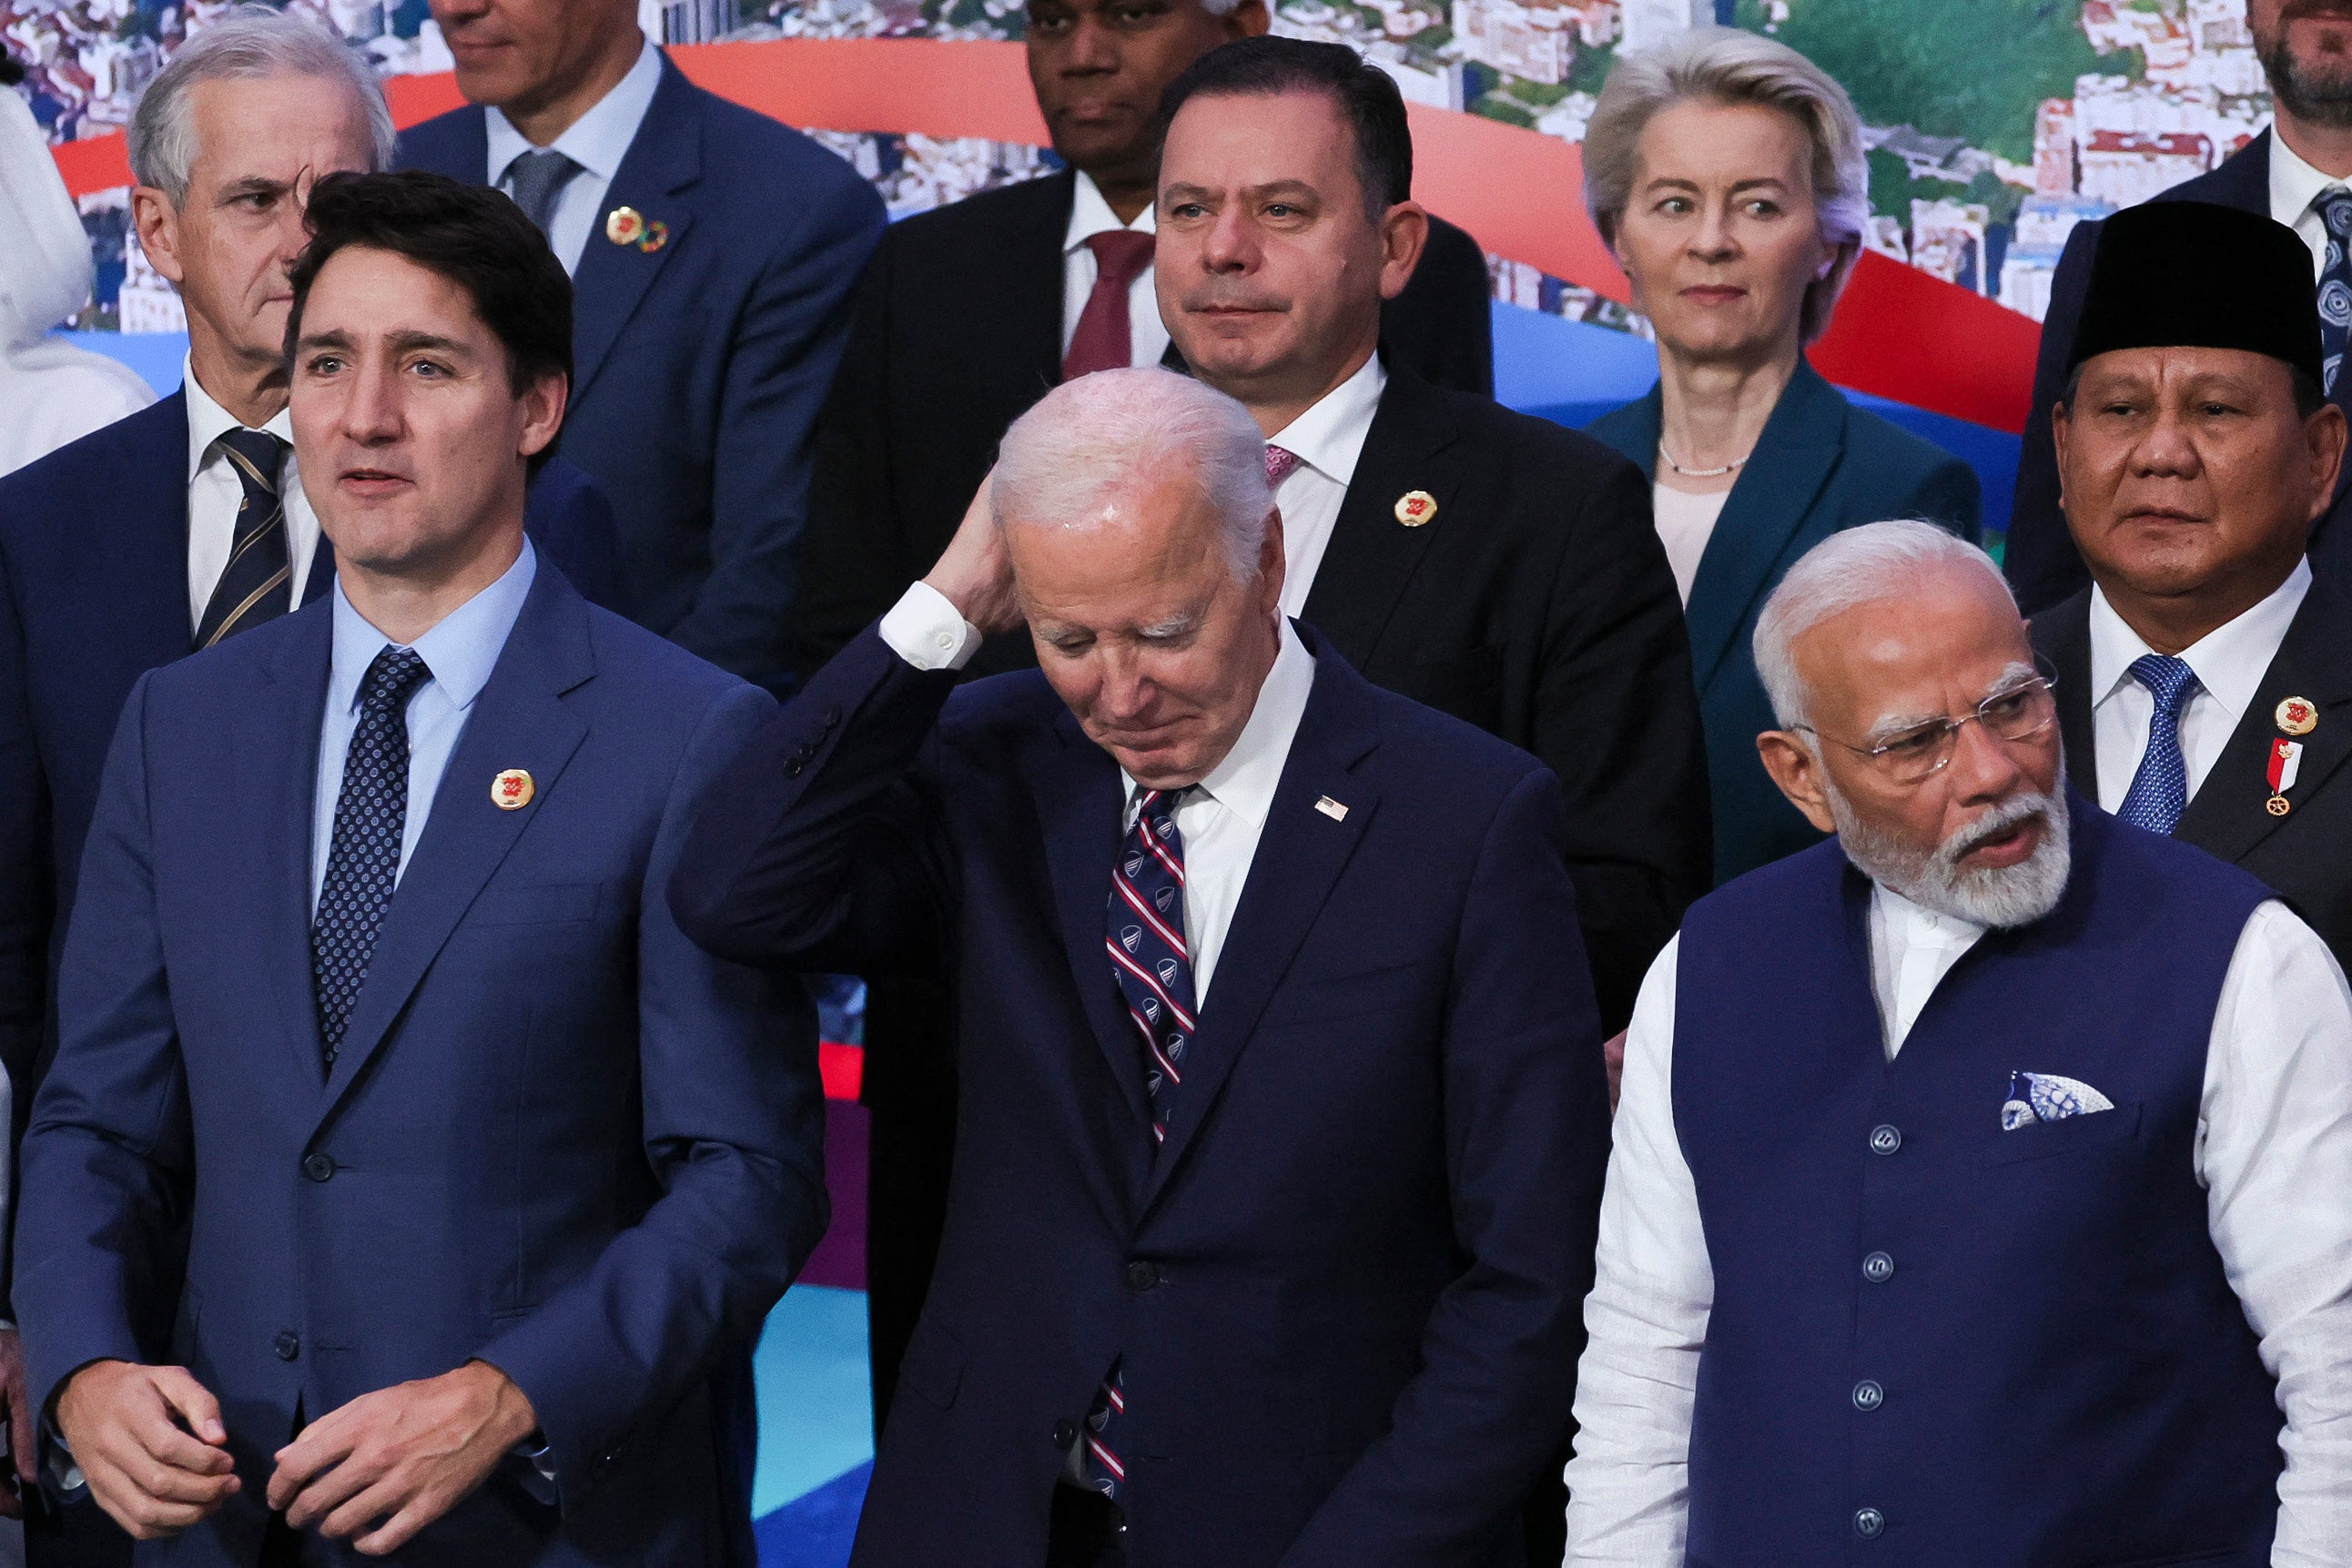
1978, 1192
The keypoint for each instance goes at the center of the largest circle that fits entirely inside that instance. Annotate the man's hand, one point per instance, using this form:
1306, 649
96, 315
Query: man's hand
20, 1422
392, 1462
974, 573
149, 1441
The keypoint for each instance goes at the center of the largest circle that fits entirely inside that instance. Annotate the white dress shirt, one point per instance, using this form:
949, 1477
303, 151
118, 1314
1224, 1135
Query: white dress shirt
597, 142
461, 650
2296, 190
1091, 216
2230, 661
1218, 819
214, 493
1686, 522
1326, 440
2273, 1153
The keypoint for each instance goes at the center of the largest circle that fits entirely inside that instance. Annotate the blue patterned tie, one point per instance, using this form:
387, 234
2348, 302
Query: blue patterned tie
2335, 282
537, 180
1148, 958
2160, 791
364, 859
252, 586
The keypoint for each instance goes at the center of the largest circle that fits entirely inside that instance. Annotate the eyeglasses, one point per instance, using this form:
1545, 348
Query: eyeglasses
1914, 755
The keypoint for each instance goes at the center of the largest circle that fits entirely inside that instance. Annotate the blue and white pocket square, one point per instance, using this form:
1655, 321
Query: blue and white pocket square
2047, 1097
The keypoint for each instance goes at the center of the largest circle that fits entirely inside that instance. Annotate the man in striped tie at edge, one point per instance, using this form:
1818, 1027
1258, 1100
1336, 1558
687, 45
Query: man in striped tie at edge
1281, 1112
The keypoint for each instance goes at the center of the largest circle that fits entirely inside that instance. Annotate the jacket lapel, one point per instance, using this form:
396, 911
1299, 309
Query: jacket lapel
1079, 805
1301, 855
518, 720
2228, 817
1767, 507
2065, 642
1372, 557
278, 768
664, 160
146, 571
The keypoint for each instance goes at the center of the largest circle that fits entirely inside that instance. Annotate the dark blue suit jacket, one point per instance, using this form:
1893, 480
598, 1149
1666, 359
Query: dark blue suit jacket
1370, 1233
558, 1137
93, 594
699, 366
1822, 465
2042, 563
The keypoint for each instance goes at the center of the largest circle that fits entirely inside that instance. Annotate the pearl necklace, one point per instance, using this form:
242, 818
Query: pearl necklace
1731, 467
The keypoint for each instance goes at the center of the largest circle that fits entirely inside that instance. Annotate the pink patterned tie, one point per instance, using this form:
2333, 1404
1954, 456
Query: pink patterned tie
1279, 461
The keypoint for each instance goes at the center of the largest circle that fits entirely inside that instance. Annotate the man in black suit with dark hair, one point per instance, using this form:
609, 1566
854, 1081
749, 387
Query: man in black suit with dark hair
966, 317
2205, 679
2296, 172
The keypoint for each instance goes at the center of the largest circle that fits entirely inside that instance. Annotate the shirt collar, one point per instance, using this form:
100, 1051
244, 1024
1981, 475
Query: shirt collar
1329, 436
1091, 216
2294, 184
460, 650
599, 139
1244, 782
1910, 924
2230, 661
208, 422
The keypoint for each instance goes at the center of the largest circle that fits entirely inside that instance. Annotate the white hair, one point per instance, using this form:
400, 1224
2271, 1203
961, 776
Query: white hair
247, 43
1090, 439
1728, 66
1856, 567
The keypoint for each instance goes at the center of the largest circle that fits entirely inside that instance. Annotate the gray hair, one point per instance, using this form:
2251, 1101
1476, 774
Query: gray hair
248, 43
1856, 567
1090, 439
1727, 65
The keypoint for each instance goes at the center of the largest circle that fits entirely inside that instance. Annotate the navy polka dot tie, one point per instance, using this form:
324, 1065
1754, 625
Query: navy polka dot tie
2160, 791
364, 860
2335, 283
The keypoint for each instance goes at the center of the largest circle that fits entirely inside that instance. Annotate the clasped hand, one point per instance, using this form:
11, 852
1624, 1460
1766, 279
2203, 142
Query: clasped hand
150, 1441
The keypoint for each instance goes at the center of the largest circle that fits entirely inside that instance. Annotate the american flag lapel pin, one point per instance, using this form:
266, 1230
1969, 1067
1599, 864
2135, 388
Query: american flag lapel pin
1331, 808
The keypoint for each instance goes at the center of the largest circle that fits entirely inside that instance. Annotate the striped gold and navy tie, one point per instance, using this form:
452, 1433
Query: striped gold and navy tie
252, 587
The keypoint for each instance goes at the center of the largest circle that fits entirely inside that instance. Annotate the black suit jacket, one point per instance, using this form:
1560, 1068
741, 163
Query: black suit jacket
2307, 856
2041, 562
958, 331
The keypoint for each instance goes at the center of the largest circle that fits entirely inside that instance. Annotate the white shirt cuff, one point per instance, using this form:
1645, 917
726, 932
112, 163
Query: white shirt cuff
925, 629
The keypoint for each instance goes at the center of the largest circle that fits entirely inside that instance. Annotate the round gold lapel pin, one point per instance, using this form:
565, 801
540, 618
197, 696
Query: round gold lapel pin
511, 791
1415, 507
624, 225
2277, 806
2297, 716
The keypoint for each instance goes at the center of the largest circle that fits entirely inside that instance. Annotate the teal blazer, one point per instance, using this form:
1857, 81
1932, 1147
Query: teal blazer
1822, 465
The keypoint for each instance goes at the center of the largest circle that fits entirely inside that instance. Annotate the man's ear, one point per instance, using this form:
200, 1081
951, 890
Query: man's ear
157, 224
1404, 233
1247, 20
1798, 772
2324, 433
543, 411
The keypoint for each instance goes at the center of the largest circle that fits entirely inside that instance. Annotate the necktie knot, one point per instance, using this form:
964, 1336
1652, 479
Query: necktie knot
2168, 680
392, 677
536, 180
258, 458
1279, 461
1120, 255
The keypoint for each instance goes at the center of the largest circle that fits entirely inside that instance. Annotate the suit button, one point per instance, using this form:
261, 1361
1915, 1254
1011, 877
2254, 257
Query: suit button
1868, 1395
318, 1168
288, 1344
1886, 1139
1878, 1268
1141, 1276
1869, 1523
831, 716
793, 769
1065, 1432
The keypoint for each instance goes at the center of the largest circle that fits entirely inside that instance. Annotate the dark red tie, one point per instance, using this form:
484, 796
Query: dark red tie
1105, 340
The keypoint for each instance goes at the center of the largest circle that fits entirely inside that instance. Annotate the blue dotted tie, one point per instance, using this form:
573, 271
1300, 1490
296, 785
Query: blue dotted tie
2160, 791
537, 180
364, 860
2335, 282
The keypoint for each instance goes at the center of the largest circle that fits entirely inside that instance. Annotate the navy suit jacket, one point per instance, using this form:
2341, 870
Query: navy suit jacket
699, 364
1346, 1292
558, 1137
1822, 465
2042, 563
93, 594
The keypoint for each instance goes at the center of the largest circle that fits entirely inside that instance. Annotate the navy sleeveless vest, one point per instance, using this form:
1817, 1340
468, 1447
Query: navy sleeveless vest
1935, 1343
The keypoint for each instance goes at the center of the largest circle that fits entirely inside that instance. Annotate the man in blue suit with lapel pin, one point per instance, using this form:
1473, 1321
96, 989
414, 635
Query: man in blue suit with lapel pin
485, 1168
1282, 1110
712, 252
186, 523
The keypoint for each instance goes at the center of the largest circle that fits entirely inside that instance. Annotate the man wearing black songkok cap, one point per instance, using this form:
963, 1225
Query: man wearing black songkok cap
2205, 678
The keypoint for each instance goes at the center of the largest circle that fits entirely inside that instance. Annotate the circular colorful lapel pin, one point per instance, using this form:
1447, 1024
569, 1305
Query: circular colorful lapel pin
657, 236
2297, 716
511, 791
1415, 507
624, 225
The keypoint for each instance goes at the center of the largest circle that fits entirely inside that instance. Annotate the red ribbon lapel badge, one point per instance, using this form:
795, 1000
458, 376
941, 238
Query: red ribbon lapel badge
2286, 757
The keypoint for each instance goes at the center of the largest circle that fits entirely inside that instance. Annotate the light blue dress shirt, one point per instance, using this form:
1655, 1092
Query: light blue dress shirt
460, 651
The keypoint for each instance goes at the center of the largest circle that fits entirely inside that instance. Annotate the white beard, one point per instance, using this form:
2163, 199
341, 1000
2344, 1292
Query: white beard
1935, 880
